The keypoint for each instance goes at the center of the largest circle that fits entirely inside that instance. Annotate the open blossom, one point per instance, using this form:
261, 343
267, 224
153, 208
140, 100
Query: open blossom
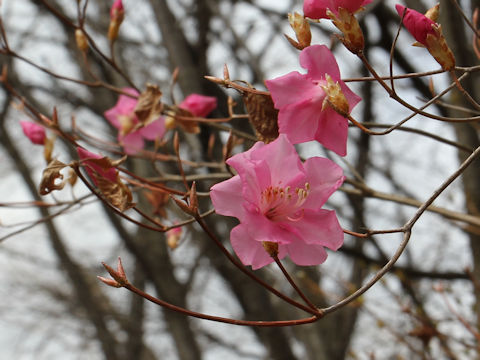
199, 105
428, 33
35, 132
122, 116
304, 113
317, 9
94, 170
278, 201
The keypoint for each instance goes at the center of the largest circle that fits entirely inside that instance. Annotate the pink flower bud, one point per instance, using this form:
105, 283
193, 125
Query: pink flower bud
35, 132
428, 33
117, 10
416, 23
199, 105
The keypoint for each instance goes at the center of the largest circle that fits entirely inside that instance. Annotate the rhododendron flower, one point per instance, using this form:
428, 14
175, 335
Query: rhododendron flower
428, 33
278, 201
122, 117
199, 105
304, 114
317, 9
95, 170
35, 132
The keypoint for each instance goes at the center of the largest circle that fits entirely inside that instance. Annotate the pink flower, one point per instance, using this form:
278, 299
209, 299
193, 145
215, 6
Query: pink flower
199, 105
317, 9
94, 170
35, 132
117, 11
122, 117
417, 24
278, 201
300, 99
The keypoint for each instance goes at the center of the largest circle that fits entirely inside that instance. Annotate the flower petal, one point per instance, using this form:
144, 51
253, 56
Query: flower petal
305, 254
319, 227
282, 160
227, 198
290, 89
300, 121
319, 60
154, 130
132, 143
332, 131
324, 177
249, 251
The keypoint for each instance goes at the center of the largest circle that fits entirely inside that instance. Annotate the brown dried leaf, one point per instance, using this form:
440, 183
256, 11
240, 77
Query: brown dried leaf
51, 175
263, 115
116, 193
187, 125
149, 105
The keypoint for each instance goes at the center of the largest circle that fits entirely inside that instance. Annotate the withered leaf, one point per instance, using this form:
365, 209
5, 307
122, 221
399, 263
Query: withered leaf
149, 105
263, 115
52, 179
116, 193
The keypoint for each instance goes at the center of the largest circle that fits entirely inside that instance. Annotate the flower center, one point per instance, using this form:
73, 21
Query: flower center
127, 122
280, 203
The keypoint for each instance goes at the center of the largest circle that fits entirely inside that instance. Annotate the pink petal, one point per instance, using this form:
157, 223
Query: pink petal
227, 198
319, 60
351, 5
124, 106
305, 254
316, 9
282, 160
290, 89
154, 130
34, 132
199, 105
300, 121
352, 98
254, 174
249, 251
132, 143
416, 23
324, 177
332, 131
94, 170
320, 227
261, 229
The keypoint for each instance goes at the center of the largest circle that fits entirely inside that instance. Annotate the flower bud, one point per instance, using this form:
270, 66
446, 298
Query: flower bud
117, 13
173, 237
34, 132
347, 23
81, 39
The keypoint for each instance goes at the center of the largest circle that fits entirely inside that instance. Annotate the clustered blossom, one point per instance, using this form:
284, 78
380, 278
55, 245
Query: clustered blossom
34, 132
302, 100
317, 9
278, 201
130, 134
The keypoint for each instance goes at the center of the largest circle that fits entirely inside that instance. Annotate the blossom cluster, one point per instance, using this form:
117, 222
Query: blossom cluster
276, 197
